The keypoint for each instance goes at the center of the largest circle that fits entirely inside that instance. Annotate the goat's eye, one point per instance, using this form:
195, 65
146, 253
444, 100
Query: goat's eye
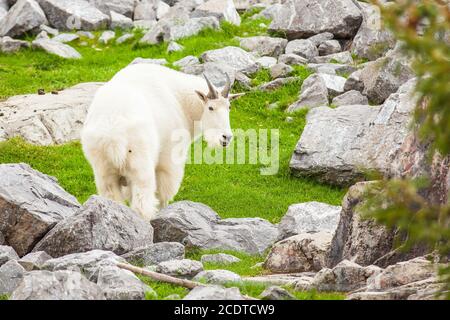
211, 108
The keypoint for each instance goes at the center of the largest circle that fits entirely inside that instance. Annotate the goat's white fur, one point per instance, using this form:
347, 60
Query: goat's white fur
128, 132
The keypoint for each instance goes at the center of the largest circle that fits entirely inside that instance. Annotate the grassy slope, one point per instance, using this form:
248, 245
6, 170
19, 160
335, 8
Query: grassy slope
231, 190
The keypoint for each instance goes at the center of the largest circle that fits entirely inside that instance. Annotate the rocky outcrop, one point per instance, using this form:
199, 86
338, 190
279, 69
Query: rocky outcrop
50, 118
338, 145
100, 224
196, 225
31, 203
305, 18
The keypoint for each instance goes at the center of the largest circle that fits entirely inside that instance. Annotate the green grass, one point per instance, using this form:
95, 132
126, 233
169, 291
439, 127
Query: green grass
4, 297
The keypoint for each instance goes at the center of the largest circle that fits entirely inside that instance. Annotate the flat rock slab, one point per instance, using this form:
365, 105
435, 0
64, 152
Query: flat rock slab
338, 145
197, 225
100, 224
31, 203
48, 119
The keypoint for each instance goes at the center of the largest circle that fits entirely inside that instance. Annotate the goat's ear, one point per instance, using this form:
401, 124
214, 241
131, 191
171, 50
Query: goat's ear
235, 95
202, 96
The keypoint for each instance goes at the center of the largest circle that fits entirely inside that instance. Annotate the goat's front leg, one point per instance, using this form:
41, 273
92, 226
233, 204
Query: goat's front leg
168, 180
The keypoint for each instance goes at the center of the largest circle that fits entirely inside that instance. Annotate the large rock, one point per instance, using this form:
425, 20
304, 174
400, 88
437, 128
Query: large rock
24, 16
221, 9
301, 253
184, 268
385, 75
101, 224
335, 84
302, 48
314, 93
235, 57
308, 217
87, 262
339, 145
31, 203
213, 292
7, 253
349, 98
57, 48
59, 285
48, 119
362, 240
402, 273
123, 7
264, 45
120, 284
197, 225
344, 277
217, 277
11, 274
305, 18
169, 30
74, 14
10, 45
372, 40
34, 260
156, 253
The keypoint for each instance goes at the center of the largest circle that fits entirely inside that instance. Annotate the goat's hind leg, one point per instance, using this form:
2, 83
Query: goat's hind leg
107, 182
168, 183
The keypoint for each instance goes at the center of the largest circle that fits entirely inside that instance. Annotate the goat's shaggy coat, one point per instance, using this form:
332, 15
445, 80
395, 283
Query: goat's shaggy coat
128, 134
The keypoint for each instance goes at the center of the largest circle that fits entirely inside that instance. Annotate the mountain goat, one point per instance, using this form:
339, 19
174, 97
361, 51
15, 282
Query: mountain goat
128, 134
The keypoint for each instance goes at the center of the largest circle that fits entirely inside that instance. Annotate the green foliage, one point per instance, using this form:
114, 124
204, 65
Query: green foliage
4, 297
399, 203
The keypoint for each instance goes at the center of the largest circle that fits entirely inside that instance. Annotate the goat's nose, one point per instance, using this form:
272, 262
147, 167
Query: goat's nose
227, 137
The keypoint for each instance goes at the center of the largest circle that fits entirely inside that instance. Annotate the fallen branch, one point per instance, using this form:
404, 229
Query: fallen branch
160, 277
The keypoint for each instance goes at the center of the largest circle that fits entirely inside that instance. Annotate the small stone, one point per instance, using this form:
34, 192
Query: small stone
219, 258
49, 30
303, 48
214, 292
183, 268
280, 70
349, 98
292, 59
34, 260
276, 293
266, 62
41, 92
57, 48
344, 57
186, 61
156, 253
329, 47
106, 36
125, 37
217, 277
86, 34
277, 83
174, 47
66, 37
320, 38
9, 45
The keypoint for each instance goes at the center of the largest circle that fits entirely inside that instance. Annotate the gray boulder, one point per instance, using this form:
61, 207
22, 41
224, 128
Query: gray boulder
212, 292
156, 253
385, 75
349, 98
334, 83
34, 260
305, 18
57, 48
174, 47
276, 293
120, 284
221, 9
217, 277
66, 37
7, 253
314, 93
120, 21
329, 47
123, 7
301, 253
264, 45
9, 45
31, 203
276, 84
219, 258
169, 30
266, 62
197, 225
48, 119
235, 57
186, 61
372, 40
302, 48
320, 38
339, 145
280, 70
106, 36
331, 68
24, 16
344, 277
59, 285
11, 274
308, 217
74, 14
87, 262
100, 224
124, 38
292, 59
344, 57
183, 268
216, 71
354, 82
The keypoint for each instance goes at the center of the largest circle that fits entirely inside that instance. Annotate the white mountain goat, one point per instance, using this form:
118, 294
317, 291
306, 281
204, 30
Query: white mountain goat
128, 133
